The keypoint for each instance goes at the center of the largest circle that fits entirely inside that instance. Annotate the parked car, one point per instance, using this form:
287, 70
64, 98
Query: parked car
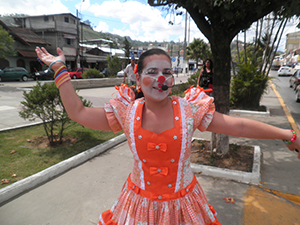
105, 72
76, 73
14, 73
297, 94
295, 80
120, 73
47, 74
285, 71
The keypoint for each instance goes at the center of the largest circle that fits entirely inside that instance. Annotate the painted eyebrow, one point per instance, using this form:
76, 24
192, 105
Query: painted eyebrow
155, 68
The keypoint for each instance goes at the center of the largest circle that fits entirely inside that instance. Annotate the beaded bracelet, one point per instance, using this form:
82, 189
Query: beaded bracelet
56, 62
293, 139
61, 76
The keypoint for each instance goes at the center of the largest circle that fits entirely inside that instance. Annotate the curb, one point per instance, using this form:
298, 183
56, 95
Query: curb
236, 111
240, 176
39, 178
21, 126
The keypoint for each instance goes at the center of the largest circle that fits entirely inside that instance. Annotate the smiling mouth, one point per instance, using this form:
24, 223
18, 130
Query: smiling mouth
157, 88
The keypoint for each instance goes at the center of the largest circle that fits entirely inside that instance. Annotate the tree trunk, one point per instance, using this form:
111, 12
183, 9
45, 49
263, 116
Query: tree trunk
237, 48
221, 87
245, 47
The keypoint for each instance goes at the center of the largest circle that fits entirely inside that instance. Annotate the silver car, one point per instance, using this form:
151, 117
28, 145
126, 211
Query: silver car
294, 80
120, 73
285, 71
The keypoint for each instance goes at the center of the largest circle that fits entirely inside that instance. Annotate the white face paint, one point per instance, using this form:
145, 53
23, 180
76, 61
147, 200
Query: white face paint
152, 78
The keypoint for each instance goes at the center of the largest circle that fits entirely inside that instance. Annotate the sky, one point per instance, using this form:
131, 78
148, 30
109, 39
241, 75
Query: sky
133, 18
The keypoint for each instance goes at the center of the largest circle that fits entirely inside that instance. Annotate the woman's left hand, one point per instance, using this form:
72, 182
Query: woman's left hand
47, 58
295, 146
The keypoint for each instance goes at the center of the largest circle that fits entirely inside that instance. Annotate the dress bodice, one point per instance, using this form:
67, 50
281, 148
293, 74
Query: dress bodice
158, 155
162, 161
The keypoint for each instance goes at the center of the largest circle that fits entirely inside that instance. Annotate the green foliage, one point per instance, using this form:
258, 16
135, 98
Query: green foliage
32, 154
114, 65
92, 73
44, 102
127, 47
192, 80
248, 86
198, 49
6, 44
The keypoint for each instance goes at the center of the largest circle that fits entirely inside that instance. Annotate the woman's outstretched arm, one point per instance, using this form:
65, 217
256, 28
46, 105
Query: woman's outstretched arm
242, 127
94, 118
199, 77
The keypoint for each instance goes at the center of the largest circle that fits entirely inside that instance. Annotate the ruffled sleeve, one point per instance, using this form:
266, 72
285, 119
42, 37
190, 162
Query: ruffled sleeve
117, 107
202, 105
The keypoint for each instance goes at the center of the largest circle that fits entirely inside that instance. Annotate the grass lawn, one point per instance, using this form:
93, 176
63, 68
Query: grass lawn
25, 151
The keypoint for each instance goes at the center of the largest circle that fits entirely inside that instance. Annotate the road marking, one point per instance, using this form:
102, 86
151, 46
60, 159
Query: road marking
5, 107
264, 207
286, 111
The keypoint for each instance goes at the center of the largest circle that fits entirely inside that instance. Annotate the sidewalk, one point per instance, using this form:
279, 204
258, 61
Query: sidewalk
79, 195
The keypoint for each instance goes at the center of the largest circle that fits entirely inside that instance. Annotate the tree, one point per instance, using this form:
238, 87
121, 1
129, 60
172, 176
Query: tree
220, 21
44, 102
113, 65
198, 49
6, 44
127, 47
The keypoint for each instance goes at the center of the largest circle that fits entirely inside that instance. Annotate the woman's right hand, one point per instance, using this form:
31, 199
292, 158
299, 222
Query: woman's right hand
47, 58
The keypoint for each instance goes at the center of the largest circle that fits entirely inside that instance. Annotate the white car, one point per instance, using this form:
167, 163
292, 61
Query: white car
120, 73
285, 71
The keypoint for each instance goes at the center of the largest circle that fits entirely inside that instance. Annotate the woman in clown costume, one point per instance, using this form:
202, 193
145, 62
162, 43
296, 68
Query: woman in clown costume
161, 189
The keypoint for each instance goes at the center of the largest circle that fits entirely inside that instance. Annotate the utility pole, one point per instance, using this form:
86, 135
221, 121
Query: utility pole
184, 43
77, 52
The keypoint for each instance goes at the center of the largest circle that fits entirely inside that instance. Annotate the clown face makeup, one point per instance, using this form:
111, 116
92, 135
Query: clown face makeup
157, 78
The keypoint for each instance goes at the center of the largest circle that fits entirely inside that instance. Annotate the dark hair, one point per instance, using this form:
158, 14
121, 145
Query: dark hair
153, 51
211, 64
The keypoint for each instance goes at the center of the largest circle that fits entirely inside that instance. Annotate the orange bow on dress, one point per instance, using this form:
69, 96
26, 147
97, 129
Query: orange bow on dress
159, 170
161, 146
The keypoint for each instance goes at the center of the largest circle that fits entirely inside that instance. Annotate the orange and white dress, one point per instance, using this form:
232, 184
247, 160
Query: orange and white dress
161, 188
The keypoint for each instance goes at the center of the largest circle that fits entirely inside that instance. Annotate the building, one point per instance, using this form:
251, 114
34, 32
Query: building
24, 45
61, 30
292, 42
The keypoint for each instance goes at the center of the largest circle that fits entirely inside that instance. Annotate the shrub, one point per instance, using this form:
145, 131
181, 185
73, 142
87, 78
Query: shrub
247, 87
92, 73
194, 78
44, 102
114, 65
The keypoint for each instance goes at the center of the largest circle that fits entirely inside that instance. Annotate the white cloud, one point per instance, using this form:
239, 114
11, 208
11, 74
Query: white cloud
102, 27
32, 7
126, 18
137, 20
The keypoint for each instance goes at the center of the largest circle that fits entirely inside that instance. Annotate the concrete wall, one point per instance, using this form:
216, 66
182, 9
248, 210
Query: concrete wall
94, 83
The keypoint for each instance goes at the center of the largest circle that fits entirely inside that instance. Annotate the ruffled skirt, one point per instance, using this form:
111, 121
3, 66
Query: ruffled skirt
134, 209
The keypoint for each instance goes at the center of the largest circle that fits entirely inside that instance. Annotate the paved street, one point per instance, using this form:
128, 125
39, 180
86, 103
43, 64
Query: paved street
79, 195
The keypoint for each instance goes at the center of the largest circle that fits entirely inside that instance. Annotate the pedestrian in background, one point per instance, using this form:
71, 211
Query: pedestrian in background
129, 72
206, 75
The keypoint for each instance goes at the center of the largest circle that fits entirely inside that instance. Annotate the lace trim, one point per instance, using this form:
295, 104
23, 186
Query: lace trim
132, 141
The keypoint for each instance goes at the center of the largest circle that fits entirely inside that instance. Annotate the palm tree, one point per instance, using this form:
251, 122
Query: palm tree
198, 50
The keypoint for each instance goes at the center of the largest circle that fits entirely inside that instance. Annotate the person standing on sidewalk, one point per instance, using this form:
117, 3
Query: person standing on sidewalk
129, 72
161, 188
206, 75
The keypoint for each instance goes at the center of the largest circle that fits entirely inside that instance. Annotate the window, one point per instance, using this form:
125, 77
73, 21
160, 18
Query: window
67, 19
46, 18
68, 41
